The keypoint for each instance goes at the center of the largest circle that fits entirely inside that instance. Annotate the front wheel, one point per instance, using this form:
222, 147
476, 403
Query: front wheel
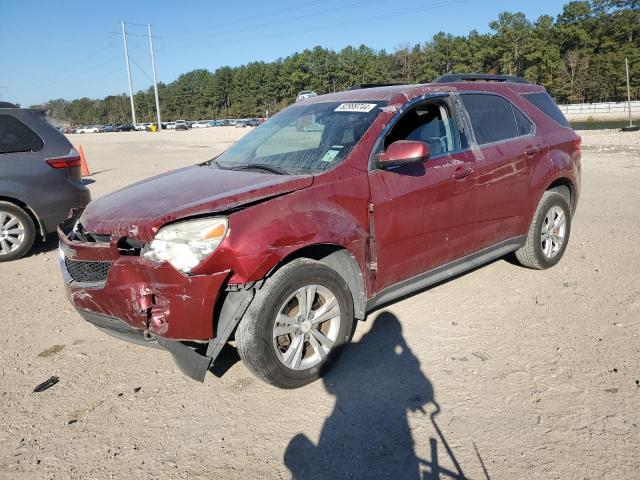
297, 324
548, 234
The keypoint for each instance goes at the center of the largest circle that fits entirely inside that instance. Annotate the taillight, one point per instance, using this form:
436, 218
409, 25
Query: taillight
578, 144
71, 159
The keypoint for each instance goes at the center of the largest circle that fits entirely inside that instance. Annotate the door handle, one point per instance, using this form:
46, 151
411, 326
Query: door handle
531, 152
462, 171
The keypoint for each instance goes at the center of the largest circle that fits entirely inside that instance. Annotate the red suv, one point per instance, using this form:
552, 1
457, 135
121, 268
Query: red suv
333, 207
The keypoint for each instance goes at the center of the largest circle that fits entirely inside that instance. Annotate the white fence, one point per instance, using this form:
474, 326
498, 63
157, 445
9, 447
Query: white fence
604, 107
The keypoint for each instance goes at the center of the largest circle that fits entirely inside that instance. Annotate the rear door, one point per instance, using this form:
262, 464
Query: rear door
423, 214
510, 149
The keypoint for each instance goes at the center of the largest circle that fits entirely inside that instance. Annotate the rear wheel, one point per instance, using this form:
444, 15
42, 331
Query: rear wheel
297, 324
549, 233
17, 232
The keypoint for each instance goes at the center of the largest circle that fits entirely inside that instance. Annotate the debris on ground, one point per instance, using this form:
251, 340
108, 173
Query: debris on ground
52, 350
50, 382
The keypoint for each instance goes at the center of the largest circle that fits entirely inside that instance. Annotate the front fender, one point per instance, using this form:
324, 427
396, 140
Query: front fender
332, 211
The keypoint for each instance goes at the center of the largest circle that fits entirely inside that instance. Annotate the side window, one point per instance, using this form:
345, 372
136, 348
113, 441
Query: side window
15, 136
430, 123
492, 117
525, 127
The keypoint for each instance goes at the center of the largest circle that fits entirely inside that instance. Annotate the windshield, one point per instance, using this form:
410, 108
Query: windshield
302, 139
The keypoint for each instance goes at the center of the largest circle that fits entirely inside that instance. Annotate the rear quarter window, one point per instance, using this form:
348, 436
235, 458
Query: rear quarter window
15, 136
543, 102
525, 127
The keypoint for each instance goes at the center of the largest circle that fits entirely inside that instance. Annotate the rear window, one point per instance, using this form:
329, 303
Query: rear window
15, 136
542, 101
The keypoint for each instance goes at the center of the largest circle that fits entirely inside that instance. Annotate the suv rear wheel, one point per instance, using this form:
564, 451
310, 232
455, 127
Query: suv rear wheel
548, 234
17, 232
296, 325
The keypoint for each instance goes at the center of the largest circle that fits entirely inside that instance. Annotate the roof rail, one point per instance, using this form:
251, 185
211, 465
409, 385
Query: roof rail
359, 86
477, 77
8, 105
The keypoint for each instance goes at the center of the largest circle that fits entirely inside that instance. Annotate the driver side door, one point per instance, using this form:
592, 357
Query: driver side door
423, 215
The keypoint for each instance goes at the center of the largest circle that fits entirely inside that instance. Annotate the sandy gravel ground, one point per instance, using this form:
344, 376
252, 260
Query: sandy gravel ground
500, 373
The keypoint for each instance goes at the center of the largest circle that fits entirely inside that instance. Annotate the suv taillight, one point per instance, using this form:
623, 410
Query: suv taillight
578, 144
71, 159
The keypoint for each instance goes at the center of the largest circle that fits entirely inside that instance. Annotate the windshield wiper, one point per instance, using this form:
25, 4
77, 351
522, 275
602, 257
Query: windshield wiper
260, 166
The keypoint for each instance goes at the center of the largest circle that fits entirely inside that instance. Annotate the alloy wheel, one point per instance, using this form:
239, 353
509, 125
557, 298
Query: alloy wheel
12, 233
554, 230
306, 327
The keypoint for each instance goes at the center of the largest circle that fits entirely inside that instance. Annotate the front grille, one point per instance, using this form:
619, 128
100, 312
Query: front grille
87, 272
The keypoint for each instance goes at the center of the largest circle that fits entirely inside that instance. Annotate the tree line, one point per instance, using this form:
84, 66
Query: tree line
578, 56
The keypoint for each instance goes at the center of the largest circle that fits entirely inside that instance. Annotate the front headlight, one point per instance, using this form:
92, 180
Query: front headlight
186, 244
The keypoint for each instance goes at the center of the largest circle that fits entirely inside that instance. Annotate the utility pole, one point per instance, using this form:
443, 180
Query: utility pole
626, 64
155, 81
126, 57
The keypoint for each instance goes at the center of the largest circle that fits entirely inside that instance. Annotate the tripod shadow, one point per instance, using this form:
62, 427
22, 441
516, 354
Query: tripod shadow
377, 381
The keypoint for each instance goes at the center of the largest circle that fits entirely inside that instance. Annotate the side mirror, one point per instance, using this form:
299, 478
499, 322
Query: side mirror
403, 152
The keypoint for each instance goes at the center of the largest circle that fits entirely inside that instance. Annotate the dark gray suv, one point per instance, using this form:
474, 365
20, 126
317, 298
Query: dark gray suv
40, 179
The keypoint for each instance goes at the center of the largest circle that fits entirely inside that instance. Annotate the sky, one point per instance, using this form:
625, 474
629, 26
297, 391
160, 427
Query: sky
74, 49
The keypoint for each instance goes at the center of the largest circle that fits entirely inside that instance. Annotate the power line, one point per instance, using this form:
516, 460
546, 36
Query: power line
69, 68
140, 68
287, 19
441, 4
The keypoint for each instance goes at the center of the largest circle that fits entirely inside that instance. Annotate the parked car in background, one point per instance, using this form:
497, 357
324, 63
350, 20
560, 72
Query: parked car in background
181, 125
201, 124
241, 123
253, 122
221, 123
171, 125
90, 129
109, 128
69, 130
290, 236
40, 179
306, 94
125, 127
141, 127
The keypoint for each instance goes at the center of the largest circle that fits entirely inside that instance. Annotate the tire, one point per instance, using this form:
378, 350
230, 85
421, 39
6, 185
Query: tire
536, 253
14, 219
275, 359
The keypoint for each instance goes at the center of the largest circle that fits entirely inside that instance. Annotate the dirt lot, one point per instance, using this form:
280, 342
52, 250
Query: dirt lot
501, 373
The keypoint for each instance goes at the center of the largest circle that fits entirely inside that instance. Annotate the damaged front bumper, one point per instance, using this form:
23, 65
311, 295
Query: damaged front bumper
191, 360
150, 304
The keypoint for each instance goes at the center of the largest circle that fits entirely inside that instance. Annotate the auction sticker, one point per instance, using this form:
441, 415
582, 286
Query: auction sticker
355, 107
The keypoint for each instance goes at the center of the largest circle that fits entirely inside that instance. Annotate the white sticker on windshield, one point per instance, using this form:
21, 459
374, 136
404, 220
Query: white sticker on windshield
330, 156
355, 107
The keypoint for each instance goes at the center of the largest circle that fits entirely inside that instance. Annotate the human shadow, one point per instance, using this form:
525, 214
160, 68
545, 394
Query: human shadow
376, 383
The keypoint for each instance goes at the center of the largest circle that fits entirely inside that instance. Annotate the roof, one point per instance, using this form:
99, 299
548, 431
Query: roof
399, 94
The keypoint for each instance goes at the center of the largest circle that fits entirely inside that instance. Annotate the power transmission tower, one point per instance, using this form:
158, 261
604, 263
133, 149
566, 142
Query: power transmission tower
126, 57
155, 81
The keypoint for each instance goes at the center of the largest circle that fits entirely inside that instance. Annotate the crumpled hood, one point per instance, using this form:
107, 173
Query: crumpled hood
139, 210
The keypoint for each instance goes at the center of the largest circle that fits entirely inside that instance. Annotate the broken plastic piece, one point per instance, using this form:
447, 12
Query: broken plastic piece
46, 384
